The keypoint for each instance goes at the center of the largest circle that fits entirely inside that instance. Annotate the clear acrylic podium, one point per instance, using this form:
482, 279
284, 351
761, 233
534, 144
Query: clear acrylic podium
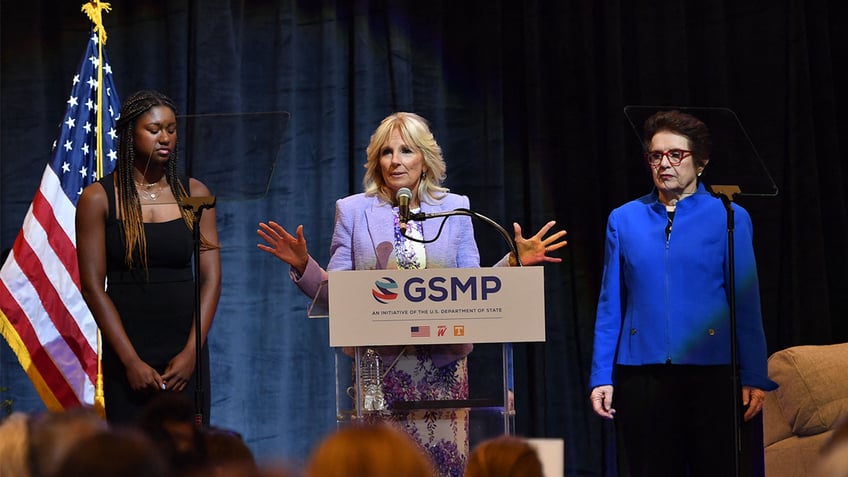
442, 338
485, 399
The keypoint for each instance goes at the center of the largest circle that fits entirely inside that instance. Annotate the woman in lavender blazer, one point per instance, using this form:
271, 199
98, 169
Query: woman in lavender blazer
403, 154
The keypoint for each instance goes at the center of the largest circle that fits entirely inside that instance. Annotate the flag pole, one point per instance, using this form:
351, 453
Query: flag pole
43, 314
94, 10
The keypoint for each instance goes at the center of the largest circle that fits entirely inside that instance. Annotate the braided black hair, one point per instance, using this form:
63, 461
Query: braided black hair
129, 204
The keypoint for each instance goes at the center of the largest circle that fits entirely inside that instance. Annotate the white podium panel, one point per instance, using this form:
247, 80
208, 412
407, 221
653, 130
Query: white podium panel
552, 454
436, 306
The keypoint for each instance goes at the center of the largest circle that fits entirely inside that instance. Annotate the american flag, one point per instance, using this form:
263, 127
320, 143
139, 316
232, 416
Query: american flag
42, 313
419, 331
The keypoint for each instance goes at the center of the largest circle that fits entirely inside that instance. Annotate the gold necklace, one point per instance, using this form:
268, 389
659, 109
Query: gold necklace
147, 192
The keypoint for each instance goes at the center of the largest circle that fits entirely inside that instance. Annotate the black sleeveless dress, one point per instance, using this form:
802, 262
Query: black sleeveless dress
156, 308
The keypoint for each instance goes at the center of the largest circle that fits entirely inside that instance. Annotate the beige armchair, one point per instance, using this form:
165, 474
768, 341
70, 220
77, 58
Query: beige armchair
801, 414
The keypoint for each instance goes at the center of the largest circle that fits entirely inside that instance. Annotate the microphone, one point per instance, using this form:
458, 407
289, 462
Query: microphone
404, 195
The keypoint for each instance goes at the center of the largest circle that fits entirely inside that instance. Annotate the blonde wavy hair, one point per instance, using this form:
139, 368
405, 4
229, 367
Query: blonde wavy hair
417, 135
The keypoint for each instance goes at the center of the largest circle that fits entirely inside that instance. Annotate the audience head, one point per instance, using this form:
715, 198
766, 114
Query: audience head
169, 421
504, 456
227, 453
119, 452
373, 450
13, 445
416, 134
52, 434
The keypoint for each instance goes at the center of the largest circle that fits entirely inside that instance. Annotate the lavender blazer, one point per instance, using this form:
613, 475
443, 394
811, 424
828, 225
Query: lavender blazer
364, 235
363, 239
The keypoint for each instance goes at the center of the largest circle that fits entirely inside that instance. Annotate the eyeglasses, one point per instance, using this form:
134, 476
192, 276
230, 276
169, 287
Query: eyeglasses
675, 157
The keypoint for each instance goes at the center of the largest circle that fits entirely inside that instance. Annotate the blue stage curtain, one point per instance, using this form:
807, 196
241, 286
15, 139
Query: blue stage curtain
526, 100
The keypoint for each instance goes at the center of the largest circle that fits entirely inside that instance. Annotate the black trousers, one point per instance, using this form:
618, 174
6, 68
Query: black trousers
677, 421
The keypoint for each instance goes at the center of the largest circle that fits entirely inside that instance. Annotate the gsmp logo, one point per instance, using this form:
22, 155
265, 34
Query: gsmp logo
383, 290
437, 289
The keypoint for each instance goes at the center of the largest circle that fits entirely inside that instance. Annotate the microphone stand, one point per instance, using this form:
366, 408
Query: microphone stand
726, 193
196, 205
510, 240
507, 348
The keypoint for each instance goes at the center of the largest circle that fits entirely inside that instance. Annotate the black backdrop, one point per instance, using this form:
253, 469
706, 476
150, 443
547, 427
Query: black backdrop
526, 99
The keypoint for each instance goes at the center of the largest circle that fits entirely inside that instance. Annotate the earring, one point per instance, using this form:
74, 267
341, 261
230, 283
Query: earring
699, 173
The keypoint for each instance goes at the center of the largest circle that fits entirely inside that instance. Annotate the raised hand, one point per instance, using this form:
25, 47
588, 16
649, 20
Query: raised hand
283, 245
535, 249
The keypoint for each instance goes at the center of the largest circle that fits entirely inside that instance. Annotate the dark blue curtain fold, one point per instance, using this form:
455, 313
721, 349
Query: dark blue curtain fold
526, 100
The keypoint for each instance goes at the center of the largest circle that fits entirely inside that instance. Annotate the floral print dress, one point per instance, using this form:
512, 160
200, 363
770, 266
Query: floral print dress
410, 374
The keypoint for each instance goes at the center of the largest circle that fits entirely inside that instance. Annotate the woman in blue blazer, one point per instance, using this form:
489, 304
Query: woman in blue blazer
662, 333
